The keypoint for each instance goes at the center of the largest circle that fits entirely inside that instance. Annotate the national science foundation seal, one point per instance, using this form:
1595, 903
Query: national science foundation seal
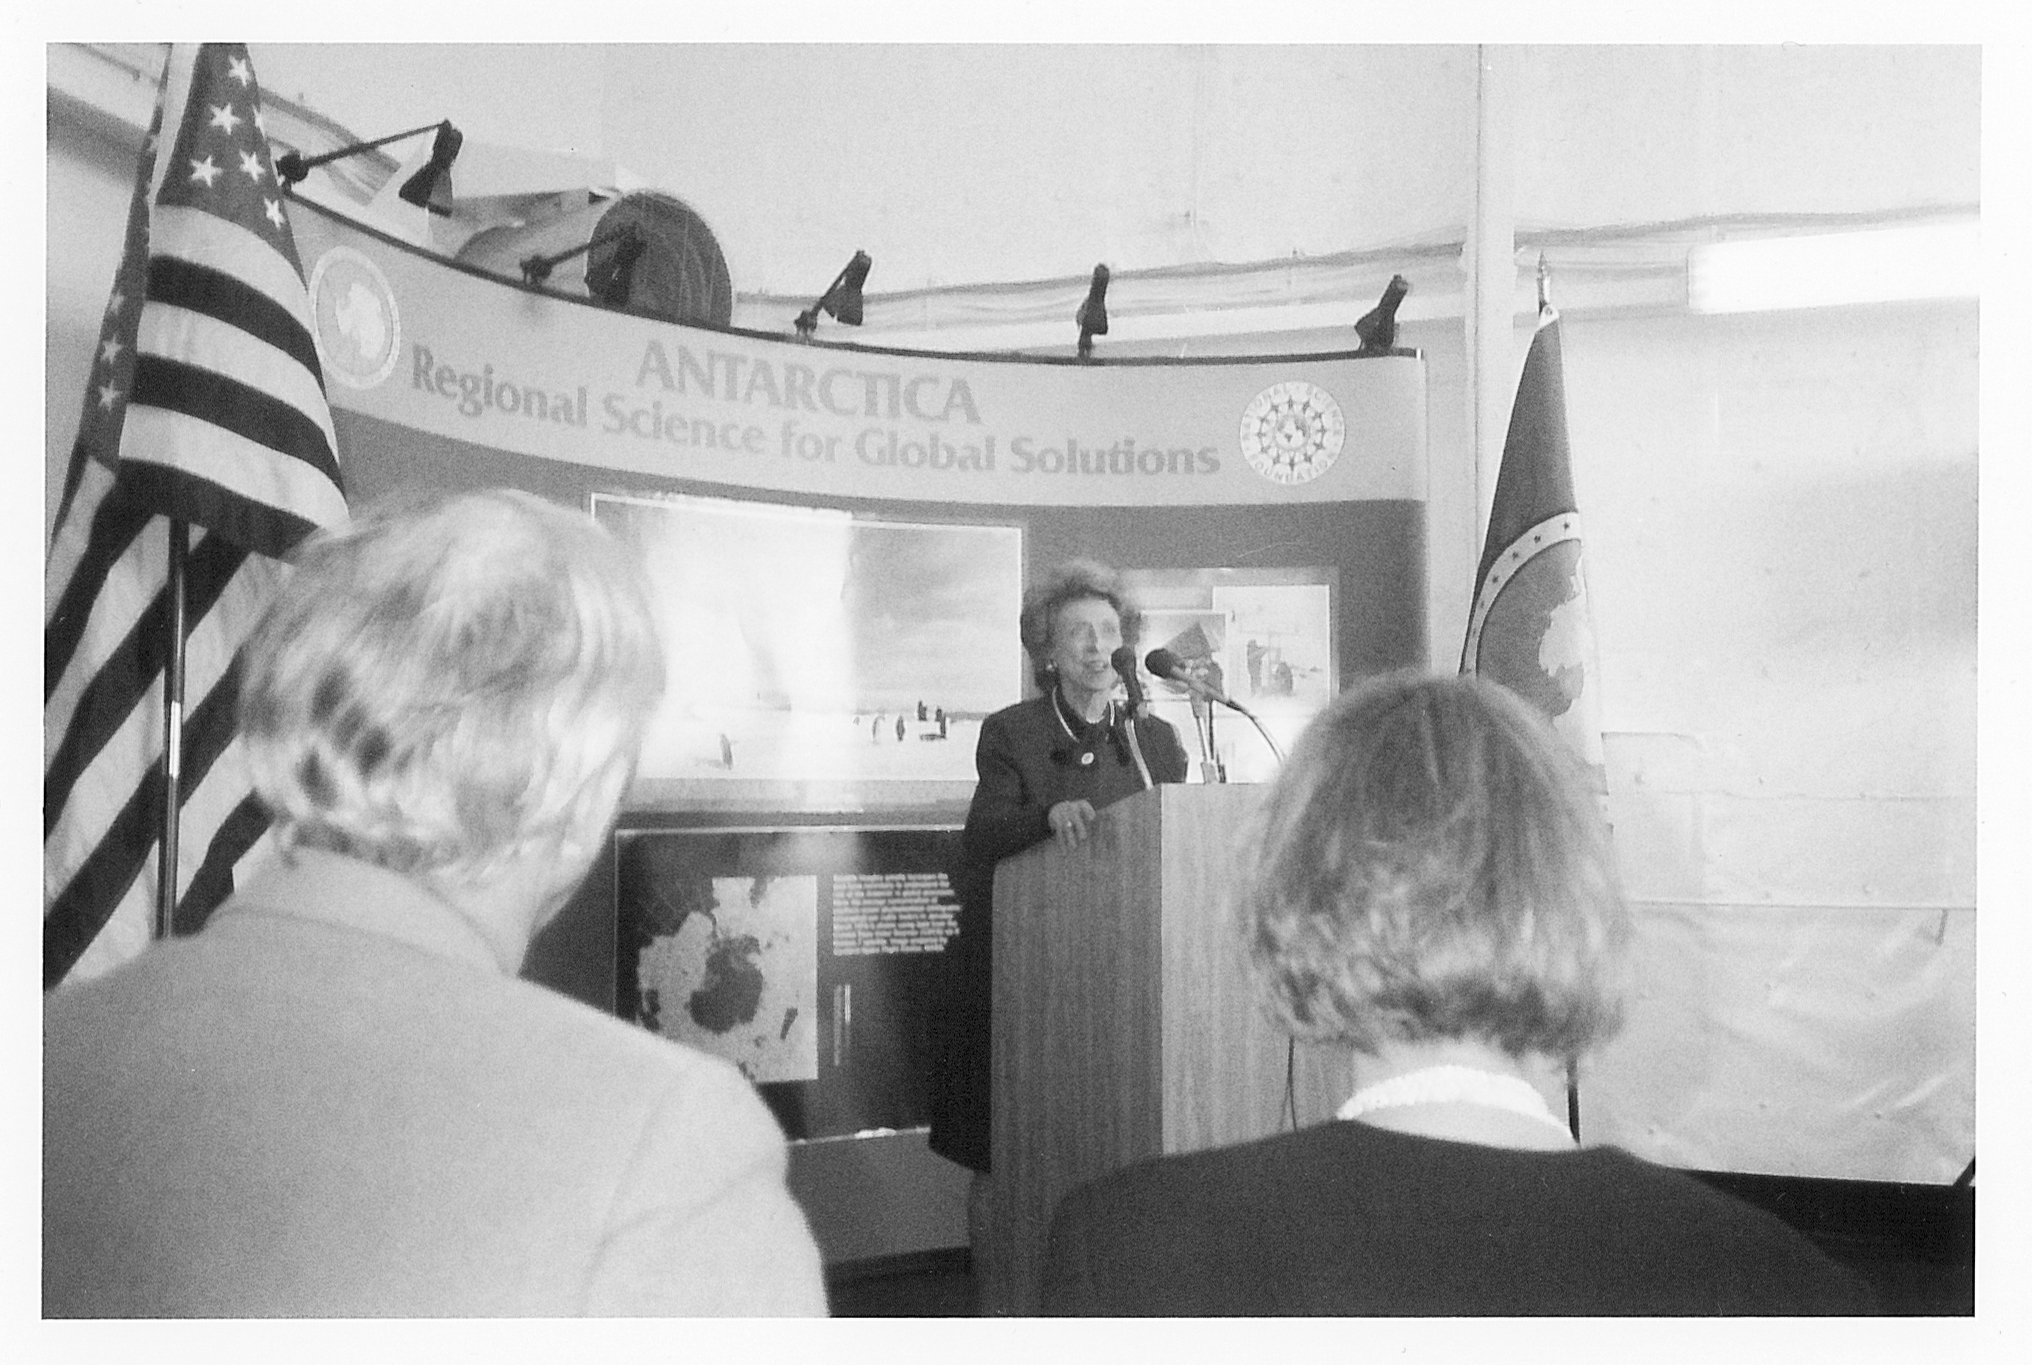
353, 316
1292, 432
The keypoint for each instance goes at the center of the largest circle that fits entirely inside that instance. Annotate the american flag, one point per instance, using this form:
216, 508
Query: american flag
205, 404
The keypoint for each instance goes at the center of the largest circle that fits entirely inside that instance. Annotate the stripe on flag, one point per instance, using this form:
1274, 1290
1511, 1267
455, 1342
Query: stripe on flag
79, 538
193, 240
95, 603
174, 338
111, 826
242, 827
106, 697
276, 498
207, 404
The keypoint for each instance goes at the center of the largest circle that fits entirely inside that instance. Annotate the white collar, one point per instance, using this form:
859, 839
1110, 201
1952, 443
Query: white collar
1452, 1084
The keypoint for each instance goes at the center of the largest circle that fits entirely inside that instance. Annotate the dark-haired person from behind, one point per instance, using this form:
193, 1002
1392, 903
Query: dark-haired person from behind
1432, 887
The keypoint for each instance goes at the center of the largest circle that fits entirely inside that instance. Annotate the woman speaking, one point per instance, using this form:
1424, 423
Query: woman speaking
1046, 766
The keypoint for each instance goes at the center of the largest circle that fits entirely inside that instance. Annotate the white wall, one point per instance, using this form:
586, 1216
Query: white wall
1780, 513
977, 164
1781, 521
955, 165
1646, 134
1028, 162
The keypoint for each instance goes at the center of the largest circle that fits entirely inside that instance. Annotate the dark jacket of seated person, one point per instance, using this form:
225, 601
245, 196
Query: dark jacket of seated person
1431, 886
1354, 1220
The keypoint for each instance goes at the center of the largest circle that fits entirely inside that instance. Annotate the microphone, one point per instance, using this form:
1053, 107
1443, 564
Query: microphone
1165, 664
1124, 660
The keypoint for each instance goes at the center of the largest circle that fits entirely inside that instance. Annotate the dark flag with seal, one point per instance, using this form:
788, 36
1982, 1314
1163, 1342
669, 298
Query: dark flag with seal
1530, 628
206, 443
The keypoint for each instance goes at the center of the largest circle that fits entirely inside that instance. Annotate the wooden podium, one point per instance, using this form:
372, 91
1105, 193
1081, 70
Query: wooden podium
1125, 1022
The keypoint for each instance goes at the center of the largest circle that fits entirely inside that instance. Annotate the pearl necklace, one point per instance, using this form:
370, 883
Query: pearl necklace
1453, 1084
1107, 722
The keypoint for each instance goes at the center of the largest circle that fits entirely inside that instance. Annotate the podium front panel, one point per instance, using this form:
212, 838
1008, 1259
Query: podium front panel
1125, 1021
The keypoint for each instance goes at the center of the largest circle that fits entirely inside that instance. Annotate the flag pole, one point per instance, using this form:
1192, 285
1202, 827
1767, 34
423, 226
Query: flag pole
172, 722
1572, 1062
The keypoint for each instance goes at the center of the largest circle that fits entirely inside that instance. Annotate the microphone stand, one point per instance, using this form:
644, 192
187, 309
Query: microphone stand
1274, 750
1124, 661
1200, 710
1217, 769
1136, 748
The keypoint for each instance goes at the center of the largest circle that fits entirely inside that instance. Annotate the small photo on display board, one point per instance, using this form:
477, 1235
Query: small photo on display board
1264, 637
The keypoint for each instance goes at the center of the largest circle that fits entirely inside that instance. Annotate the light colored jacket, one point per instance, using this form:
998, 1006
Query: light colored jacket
333, 1102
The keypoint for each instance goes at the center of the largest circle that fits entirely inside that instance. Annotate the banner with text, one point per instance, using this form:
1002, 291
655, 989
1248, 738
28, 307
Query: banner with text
410, 338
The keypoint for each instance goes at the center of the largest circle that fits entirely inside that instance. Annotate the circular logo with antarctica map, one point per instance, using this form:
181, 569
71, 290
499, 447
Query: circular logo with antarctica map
358, 331
1292, 432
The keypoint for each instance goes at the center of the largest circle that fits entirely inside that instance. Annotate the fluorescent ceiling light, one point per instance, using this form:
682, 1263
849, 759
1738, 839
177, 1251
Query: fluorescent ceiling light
1938, 261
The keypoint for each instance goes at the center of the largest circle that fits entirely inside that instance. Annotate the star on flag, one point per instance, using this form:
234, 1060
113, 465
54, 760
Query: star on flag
226, 149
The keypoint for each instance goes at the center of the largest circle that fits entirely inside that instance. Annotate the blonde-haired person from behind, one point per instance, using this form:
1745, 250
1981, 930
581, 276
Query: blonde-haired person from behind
1432, 887
338, 1099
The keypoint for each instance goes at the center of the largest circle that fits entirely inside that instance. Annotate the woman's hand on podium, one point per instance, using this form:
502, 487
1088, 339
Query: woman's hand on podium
1070, 822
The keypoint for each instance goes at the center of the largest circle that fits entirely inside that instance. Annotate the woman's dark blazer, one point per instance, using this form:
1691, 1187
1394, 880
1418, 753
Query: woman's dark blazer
1027, 764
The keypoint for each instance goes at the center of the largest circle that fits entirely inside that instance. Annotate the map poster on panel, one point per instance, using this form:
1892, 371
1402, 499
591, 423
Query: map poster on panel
740, 973
808, 956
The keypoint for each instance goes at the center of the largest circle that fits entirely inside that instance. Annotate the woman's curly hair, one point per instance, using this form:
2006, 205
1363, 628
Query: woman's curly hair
1076, 580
